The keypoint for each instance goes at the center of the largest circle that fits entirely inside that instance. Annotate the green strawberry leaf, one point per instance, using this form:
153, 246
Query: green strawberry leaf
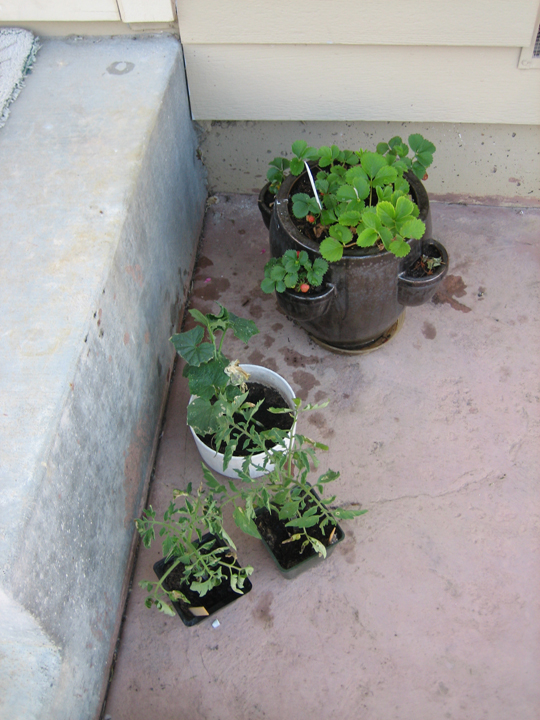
399, 247
412, 228
367, 238
404, 207
372, 163
331, 249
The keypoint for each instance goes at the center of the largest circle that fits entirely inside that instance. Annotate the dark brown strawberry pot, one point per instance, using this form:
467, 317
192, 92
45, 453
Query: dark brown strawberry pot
367, 302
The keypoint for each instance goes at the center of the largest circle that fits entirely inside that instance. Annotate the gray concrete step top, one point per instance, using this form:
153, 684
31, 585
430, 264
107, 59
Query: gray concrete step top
101, 203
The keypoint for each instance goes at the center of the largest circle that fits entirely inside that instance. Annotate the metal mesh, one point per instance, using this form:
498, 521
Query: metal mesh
536, 51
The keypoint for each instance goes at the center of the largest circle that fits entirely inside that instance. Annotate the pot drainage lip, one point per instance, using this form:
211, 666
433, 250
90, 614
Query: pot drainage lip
371, 346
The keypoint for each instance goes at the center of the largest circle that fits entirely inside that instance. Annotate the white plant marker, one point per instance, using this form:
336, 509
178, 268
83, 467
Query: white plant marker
312, 181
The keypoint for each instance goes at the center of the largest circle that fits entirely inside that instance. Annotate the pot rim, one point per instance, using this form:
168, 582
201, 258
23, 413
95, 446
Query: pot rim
329, 288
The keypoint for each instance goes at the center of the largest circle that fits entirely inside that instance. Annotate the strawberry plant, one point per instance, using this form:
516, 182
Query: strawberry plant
360, 197
293, 270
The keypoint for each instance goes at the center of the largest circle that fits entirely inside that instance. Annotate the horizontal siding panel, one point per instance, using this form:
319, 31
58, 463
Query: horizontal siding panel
395, 22
299, 82
146, 11
58, 10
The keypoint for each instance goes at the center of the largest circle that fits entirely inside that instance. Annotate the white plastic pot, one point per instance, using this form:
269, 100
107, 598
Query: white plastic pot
213, 459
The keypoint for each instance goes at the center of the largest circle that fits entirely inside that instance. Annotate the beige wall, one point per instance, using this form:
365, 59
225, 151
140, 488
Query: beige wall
404, 60
474, 163
58, 17
262, 73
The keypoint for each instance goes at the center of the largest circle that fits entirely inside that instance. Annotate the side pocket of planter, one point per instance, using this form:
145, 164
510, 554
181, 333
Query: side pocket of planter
414, 291
306, 307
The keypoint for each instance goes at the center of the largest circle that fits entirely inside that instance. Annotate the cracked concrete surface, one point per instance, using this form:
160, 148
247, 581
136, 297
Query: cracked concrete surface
430, 607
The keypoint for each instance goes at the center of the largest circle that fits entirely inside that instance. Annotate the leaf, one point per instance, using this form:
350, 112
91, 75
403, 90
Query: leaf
371, 219
200, 317
204, 378
303, 522
300, 205
188, 345
331, 249
328, 217
386, 212
211, 481
385, 176
404, 207
229, 452
280, 162
289, 509
298, 147
372, 163
349, 219
245, 524
341, 233
367, 238
387, 235
242, 328
164, 608
342, 514
277, 272
416, 142
297, 166
320, 265
361, 186
382, 148
394, 141
399, 247
425, 158
202, 416
346, 192
326, 156
268, 286
402, 150
202, 587
329, 476
290, 280
318, 546
412, 228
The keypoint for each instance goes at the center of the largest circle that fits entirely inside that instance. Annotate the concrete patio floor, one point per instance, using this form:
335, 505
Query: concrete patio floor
430, 608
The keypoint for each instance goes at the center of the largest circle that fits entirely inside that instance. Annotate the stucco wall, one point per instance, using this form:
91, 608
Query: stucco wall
474, 163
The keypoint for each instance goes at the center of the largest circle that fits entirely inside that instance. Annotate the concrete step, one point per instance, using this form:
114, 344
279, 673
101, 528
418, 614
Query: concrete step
101, 205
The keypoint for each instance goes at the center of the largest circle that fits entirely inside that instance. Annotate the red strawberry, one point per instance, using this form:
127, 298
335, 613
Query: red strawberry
425, 177
310, 219
304, 287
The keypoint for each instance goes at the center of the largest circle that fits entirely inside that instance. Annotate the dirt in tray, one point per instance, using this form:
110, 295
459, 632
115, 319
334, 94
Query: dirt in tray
271, 399
424, 266
274, 532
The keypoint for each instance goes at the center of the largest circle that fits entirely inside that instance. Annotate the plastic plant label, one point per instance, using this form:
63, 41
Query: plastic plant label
199, 611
